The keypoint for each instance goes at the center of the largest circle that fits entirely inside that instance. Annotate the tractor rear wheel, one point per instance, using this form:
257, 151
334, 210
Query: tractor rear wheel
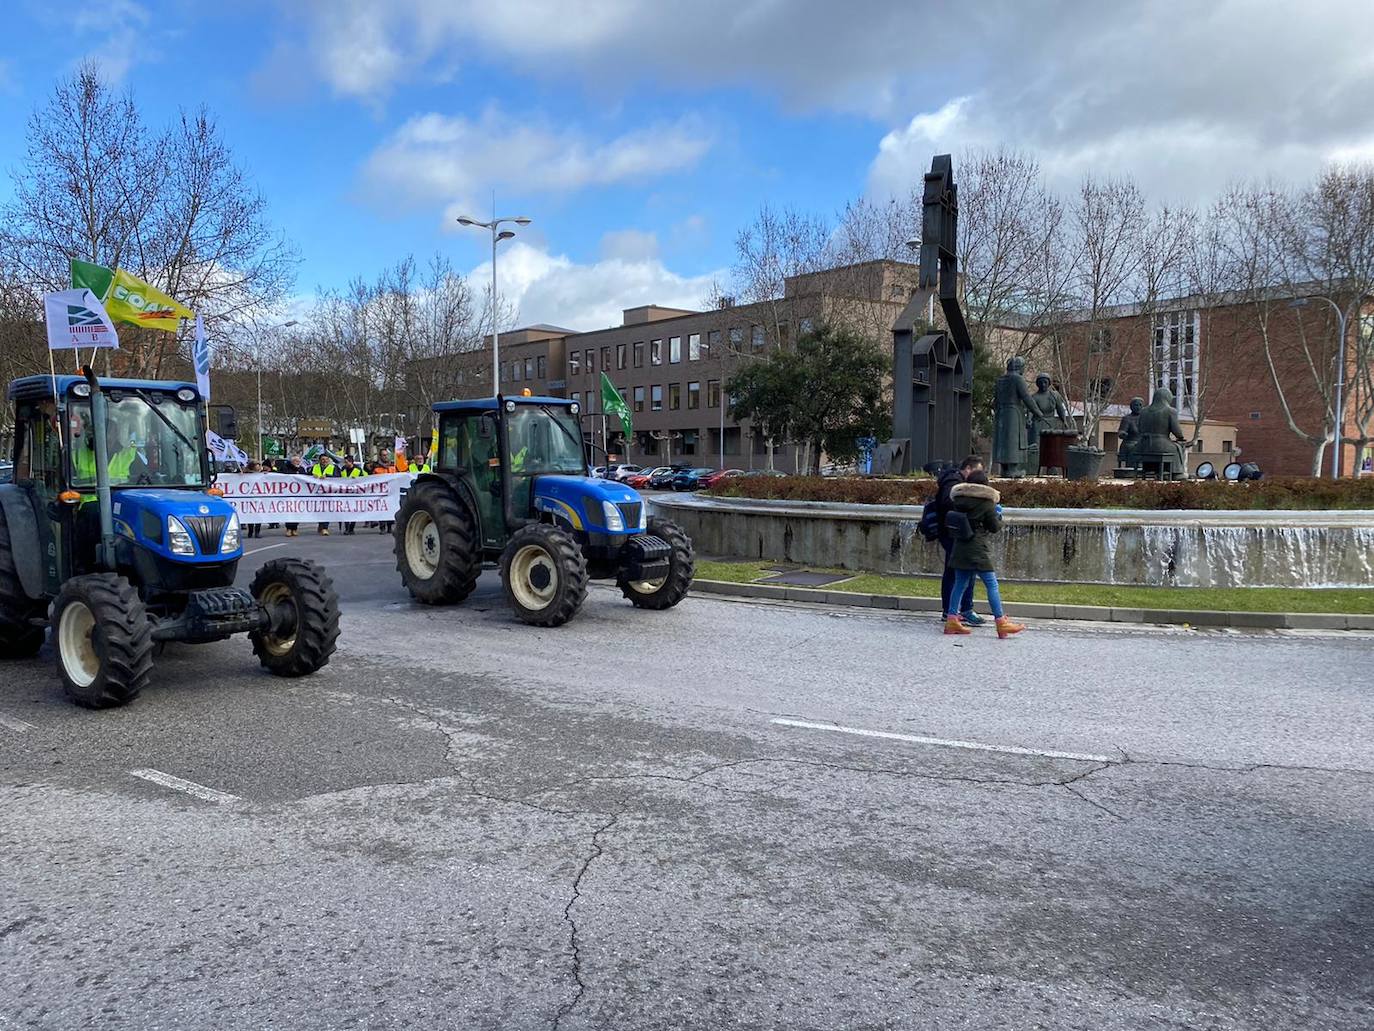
436, 545
664, 592
304, 611
19, 638
103, 639
545, 575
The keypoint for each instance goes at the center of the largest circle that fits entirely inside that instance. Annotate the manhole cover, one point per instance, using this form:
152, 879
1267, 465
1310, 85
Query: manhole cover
806, 578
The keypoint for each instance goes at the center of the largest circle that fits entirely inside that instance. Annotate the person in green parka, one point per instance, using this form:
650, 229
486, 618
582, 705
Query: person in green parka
976, 516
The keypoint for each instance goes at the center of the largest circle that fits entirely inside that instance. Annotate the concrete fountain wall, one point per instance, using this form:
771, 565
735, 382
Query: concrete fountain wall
1114, 546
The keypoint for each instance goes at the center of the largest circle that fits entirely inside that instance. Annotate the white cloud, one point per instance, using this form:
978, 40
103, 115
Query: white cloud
629, 245
454, 159
552, 288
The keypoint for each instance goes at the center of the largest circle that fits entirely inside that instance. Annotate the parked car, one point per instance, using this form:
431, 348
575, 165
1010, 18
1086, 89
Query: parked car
619, 472
640, 480
662, 479
6, 472
690, 479
719, 476
765, 472
599, 471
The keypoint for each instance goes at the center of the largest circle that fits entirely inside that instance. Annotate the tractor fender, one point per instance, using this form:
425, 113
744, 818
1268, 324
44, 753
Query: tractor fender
462, 487
25, 541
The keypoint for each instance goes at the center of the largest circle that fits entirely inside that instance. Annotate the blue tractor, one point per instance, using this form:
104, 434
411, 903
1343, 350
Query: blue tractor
113, 534
510, 486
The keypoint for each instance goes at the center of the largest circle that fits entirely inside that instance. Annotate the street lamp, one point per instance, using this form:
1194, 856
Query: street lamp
914, 244
497, 234
274, 329
1302, 302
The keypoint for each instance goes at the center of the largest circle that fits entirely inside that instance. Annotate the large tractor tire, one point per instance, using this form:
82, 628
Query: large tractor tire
436, 545
665, 592
103, 640
19, 638
545, 575
299, 597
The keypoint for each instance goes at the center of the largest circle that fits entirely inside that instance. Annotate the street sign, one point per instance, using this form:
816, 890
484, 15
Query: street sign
315, 428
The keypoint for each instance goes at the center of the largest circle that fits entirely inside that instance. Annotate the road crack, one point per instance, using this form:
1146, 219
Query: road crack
574, 935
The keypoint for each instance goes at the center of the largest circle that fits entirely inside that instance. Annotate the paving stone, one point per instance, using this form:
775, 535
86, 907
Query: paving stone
1128, 615
803, 594
1316, 621
1260, 620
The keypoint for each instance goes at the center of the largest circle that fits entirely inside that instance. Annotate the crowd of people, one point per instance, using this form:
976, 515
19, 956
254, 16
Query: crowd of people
325, 465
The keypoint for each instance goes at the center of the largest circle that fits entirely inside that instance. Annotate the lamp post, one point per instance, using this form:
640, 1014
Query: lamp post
1339, 414
275, 329
497, 234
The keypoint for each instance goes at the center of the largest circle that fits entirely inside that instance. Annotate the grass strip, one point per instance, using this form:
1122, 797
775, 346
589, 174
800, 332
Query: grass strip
1341, 600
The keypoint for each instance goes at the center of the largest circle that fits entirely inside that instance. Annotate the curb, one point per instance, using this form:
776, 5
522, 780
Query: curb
1036, 610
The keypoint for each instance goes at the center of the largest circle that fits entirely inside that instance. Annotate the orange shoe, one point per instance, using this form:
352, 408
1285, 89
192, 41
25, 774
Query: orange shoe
955, 625
1005, 627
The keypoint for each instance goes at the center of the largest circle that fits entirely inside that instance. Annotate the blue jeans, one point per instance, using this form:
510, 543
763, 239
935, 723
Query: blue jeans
947, 582
963, 579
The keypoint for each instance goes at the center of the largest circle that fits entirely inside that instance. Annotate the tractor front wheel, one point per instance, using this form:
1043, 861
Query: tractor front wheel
436, 545
545, 575
666, 591
19, 638
103, 639
303, 613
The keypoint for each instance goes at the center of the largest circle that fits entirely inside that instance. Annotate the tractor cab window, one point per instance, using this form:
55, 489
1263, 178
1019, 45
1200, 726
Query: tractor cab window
39, 458
150, 439
545, 439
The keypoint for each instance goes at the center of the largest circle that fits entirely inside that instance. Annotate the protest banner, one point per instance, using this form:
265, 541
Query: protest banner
284, 498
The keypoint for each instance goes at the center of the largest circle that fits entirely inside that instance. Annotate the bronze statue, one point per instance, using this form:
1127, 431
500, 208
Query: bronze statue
1128, 437
1161, 435
1010, 443
1048, 413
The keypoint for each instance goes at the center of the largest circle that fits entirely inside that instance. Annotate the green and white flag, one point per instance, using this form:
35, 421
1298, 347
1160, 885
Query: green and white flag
76, 319
613, 404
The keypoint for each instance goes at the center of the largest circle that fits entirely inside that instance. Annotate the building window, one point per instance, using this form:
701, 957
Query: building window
674, 350
655, 352
529, 368
515, 372
756, 339
577, 395
713, 393
591, 362
693, 395
1101, 341
574, 363
639, 354
674, 396
694, 347
1175, 356
713, 344
541, 367
620, 356
1225, 447
689, 442
639, 399
736, 338
656, 398
1101, 389
606, 358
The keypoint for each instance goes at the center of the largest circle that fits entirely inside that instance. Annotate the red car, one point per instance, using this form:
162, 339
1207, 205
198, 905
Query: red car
718, 476
640, 480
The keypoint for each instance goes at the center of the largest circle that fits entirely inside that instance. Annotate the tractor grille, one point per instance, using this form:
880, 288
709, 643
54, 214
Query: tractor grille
630, 513
207, 530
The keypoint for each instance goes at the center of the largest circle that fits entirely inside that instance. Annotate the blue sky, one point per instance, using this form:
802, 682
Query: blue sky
641, 136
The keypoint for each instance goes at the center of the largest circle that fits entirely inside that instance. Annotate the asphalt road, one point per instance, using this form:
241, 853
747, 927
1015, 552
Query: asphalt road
673, 820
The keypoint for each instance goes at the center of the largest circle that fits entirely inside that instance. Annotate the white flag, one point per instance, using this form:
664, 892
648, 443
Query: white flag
76, 319
200, 352
400, 445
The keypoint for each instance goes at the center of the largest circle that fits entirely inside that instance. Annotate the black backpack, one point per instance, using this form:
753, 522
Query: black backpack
929, 525
957, 524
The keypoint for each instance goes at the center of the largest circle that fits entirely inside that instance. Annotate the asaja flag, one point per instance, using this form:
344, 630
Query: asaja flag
613, 404
128, 298
200, 353
224, 450
76, 319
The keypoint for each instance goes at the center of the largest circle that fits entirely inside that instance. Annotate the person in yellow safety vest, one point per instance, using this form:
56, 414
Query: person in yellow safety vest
324, 468
350, 471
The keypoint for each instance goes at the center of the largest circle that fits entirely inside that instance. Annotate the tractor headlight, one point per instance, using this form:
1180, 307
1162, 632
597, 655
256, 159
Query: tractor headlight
231, 535
178, 537
643, 517
614, 522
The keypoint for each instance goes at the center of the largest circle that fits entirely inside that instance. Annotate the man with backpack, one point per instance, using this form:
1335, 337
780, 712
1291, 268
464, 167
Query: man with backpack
933, 520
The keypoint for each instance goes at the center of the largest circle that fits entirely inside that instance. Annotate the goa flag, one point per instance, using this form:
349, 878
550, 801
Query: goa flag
75, 319
128, 298
200, 353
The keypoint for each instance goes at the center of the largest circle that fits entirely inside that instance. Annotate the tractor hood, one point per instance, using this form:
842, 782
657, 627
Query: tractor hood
141, 514
579, 502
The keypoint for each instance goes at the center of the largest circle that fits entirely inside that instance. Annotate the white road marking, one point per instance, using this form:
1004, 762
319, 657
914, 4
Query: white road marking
266, 547
18, 726
190, 787
976, 746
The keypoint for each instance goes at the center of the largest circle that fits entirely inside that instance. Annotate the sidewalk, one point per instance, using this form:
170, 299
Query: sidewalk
1031, 610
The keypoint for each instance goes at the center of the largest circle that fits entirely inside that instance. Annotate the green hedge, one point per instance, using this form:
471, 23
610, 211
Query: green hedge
1290, 492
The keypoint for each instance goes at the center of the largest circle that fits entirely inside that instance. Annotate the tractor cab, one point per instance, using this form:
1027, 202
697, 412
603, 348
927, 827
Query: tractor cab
511, 484
112, 532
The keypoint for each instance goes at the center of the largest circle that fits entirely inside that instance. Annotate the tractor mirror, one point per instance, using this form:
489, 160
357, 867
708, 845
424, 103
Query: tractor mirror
226, 421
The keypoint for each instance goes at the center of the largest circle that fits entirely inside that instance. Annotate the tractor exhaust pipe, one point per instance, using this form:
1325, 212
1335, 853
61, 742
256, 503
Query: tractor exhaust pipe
105, 550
